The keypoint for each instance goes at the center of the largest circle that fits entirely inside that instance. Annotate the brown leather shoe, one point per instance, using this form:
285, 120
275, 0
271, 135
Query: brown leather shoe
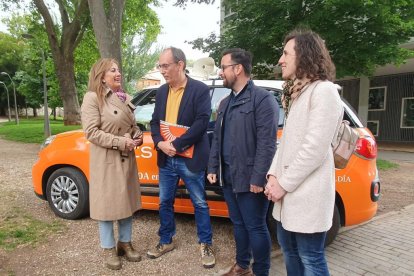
112, 261
236, 270
125, 248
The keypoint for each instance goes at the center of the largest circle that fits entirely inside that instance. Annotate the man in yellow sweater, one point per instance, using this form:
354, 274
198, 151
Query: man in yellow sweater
185, 102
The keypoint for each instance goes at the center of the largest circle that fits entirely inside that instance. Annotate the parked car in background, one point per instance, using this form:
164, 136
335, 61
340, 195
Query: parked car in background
61, 173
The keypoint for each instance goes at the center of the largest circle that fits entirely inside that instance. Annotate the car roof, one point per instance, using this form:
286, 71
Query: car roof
277, 84
219, 82
262, 83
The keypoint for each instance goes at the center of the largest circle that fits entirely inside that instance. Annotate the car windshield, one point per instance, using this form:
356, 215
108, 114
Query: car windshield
145, 103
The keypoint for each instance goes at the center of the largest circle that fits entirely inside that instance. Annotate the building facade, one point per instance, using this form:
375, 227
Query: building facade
385, 101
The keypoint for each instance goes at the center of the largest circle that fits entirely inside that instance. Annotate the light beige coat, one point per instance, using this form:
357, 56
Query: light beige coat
114, 191
304, 164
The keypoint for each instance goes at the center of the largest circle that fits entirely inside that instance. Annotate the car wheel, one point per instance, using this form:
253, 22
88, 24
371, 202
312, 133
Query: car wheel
67, 192
336, 224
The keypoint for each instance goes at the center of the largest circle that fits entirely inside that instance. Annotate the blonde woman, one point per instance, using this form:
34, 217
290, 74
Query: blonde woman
109, 125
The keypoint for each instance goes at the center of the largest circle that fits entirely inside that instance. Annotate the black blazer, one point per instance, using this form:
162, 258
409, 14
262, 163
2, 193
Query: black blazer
194, 112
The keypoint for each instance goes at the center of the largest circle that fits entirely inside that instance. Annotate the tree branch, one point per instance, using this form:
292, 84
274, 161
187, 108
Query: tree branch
51, 33
74, 31
63, 13
81, 33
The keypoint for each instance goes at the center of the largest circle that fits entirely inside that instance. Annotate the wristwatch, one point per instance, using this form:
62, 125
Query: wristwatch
115, 143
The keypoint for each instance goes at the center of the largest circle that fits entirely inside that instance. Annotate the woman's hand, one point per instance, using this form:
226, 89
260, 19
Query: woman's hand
273, 190
138, 140
130, 144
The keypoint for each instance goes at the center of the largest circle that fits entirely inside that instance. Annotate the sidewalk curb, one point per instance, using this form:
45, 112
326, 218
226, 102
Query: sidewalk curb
383, 216
397, 150
278, 252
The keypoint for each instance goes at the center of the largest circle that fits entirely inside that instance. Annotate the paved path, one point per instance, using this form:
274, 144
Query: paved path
392, 155
382, 246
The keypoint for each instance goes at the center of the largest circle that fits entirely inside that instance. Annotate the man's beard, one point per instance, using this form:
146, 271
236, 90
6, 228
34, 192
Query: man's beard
228, 84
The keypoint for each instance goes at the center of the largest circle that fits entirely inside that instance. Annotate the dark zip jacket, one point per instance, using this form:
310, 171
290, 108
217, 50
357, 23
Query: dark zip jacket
253, 134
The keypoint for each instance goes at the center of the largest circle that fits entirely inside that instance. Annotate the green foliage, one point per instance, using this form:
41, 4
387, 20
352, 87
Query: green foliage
140, 20
28, 74
183, 3
18, 228
360, 34
384, 165
86, 54
10, 59
31, 131
138, 60
10, 53
140, 28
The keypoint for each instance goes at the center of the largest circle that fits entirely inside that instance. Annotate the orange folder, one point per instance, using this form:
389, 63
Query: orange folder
171, 131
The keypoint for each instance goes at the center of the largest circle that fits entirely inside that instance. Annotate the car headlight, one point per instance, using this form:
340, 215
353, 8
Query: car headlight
47, 141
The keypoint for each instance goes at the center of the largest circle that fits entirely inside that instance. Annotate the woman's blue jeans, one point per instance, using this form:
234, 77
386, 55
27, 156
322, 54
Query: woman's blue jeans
106, 232
248, 214
304, 254
174, 169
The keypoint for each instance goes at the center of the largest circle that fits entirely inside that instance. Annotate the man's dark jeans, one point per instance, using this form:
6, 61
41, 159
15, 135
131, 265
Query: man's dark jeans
304, 254
248, 214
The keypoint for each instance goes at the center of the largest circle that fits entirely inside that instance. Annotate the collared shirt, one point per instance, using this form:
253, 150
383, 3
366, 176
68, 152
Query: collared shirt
173, 104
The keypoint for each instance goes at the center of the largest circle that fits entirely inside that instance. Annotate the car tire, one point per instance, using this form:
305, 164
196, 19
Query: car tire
330, 235
67, 192
336, 224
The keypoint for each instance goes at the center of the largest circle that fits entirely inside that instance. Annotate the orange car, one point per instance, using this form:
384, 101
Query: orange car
61, 173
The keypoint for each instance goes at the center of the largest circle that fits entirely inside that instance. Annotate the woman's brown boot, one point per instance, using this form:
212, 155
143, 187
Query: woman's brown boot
125, 248
112, 261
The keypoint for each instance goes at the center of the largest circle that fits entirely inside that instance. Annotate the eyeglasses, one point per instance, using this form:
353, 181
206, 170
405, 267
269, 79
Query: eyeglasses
165, 66
224, 66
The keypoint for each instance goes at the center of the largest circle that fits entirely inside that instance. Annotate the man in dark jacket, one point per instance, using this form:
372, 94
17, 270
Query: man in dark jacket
185, 102
242, 150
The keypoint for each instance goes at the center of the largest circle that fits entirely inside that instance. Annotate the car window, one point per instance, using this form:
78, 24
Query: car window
217, 94
220, 93
144, 109
139, 95
145, 103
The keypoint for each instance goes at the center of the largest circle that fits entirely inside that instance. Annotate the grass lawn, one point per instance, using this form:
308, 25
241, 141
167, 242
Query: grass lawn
19, 228
384, 165
31, 130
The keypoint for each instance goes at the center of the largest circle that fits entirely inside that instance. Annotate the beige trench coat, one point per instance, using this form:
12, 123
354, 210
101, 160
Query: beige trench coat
304, 164
114, 191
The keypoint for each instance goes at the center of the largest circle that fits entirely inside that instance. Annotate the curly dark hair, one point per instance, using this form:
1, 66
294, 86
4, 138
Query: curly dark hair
312, 56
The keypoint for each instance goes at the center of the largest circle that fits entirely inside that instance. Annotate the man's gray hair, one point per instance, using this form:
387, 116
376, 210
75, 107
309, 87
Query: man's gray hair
178, 55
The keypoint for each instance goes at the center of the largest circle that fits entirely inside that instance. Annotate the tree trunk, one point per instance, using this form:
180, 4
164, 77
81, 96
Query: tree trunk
65, 70
63, 47
107, 29
34, 112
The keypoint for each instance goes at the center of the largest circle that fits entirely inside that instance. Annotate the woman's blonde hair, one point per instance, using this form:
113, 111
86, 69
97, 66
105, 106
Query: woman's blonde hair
96, 75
